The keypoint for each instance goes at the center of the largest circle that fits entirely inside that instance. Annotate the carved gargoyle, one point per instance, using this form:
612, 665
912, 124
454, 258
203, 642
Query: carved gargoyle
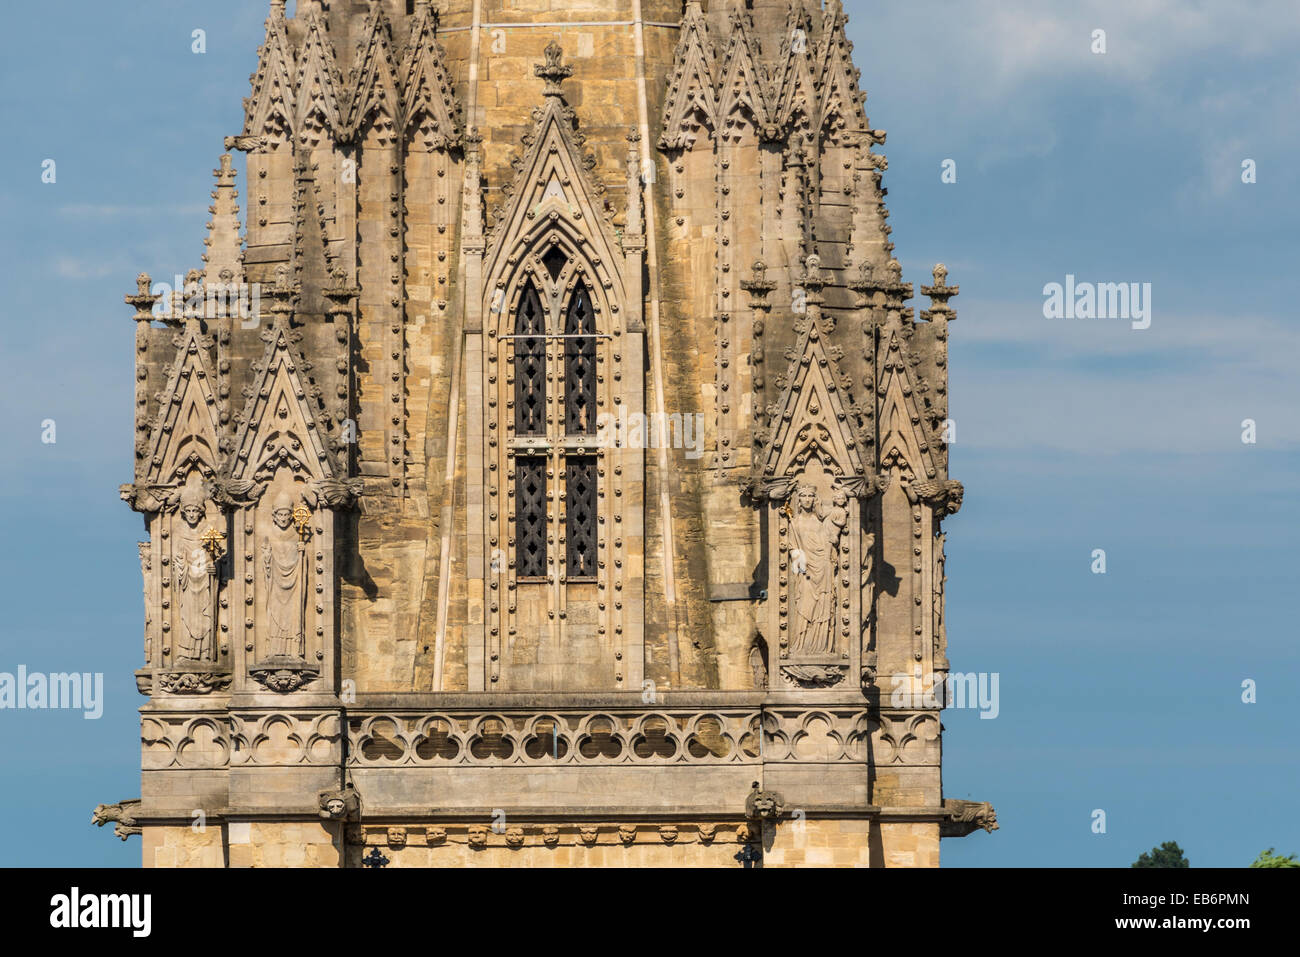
763, 804
122, 814
943, 495
144, 498
963, 817
340, 804
237, 492
334, 493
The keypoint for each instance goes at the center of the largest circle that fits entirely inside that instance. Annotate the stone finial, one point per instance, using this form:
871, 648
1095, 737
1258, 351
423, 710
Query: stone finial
812, 279
939, 295
143, 300
759, 286
553, 71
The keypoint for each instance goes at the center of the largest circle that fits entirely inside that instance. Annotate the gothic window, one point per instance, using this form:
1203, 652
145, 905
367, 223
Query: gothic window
555, 341
580, 516
530, 365
580, 365
530, 515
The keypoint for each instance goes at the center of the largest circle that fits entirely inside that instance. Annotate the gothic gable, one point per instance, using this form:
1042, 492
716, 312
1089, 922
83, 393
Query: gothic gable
795, 92
374, 78
814, 417
692, 100
279, 427
841, 103
186, 433
318, 84
742, 95
903, 440
269, 112
428, 104
552, 193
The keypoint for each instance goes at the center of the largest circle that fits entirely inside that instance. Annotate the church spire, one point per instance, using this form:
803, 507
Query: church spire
224, 259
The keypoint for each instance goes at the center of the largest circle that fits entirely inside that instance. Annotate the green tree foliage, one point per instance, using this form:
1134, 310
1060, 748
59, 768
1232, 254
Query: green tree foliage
1168, 854
1270, 859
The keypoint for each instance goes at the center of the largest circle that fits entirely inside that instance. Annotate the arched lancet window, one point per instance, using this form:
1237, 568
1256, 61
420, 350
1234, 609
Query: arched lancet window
530, 365
580, 364
548, 315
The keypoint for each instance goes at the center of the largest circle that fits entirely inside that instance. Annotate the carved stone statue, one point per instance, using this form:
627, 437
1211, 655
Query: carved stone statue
758, 666
814, 539
194, 572
284, 571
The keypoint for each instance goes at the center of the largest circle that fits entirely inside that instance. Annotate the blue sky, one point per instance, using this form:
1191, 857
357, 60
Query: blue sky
1119, 692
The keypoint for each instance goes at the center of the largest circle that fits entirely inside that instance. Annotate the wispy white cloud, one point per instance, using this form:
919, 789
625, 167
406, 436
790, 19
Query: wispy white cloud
1182, 386
994, 70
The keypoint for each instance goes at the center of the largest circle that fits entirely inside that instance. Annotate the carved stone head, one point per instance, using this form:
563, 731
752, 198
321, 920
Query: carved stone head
515, 836
340, 805
668, 833
707, 833
627, 833
192, 501
396, 837
550, 835
282, 510
806, 498
588, 834
478, 836
437, 835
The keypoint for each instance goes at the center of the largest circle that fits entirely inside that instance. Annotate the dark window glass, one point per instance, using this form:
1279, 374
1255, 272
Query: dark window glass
530, 365
530, 516
580, 515
580, 365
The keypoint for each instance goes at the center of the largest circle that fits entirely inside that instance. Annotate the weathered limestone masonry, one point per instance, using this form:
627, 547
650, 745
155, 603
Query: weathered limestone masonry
545, 467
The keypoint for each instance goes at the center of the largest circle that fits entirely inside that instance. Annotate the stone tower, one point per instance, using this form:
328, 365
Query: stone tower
545, 467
